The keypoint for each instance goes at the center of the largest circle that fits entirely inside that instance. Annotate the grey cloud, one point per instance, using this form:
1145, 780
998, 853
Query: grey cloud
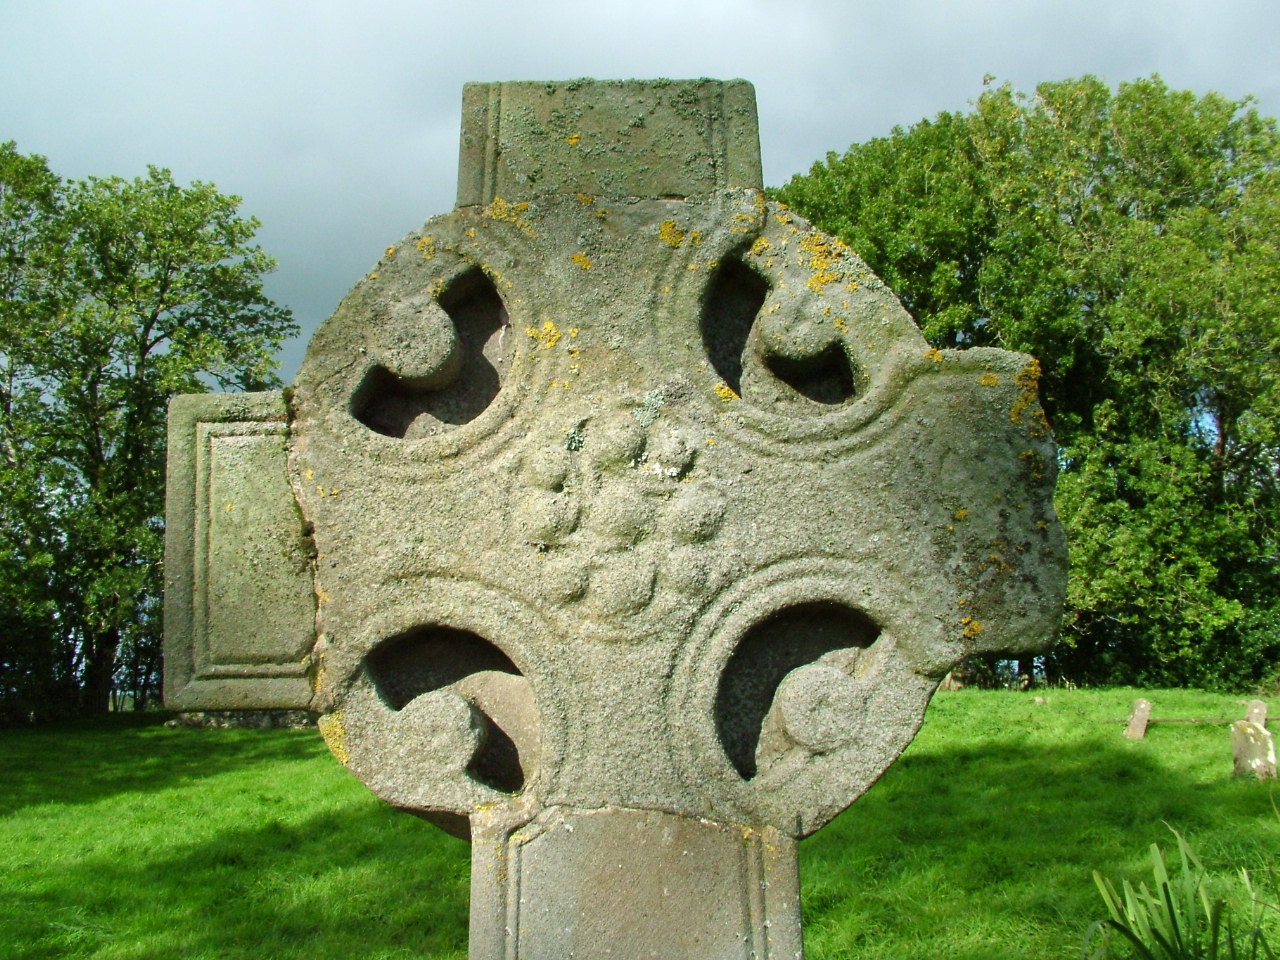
337, 122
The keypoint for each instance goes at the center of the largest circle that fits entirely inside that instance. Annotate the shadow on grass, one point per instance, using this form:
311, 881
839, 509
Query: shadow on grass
365, 881
1019, 806
998, 845
961, 851
84, 761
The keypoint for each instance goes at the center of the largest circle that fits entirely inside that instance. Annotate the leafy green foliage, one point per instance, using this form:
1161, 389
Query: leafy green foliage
118, 294
1130, 240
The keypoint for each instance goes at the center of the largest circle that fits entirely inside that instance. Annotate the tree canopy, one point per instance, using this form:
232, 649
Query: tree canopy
1130, 240
114, 295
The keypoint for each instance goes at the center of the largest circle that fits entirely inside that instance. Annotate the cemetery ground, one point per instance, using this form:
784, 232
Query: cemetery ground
128, 840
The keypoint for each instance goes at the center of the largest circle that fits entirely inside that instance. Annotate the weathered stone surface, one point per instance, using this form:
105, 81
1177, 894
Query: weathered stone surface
653, 519
618, 138
1253, 749
239, 603
1138, 719
630, 885
647, 521
1256, 712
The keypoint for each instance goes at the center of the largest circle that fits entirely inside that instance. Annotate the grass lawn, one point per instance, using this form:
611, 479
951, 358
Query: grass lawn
131, 841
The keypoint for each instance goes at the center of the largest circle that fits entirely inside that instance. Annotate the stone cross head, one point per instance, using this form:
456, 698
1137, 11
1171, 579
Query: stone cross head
618, 520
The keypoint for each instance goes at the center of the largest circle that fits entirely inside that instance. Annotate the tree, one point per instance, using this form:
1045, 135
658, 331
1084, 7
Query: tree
1129, 241
118, 294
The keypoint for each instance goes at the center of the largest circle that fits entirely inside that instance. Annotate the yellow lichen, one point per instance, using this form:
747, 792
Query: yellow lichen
670, 234
496, 276
335, 736
1035, 463
586, 199
823, 253
760, 246
989, 380
725, 392
573, 139
841, 324
934, 354
582, 260
500, 209
390, 251
427, 247
317, 668
548, 336
1026, 406
972, 627
960, 514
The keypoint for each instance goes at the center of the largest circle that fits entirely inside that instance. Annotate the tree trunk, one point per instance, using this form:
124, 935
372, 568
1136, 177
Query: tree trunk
100, 662
1026, 673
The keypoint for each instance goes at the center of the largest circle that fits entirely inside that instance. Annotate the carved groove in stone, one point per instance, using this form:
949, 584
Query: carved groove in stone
425, 659
805, 375
404, 403
768, 651
826, 378
730, 304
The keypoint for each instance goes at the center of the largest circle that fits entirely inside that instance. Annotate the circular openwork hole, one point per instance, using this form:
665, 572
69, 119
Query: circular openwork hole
768, 651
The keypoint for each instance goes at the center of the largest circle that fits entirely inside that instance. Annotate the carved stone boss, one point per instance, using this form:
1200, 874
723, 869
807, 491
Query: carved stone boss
619, 520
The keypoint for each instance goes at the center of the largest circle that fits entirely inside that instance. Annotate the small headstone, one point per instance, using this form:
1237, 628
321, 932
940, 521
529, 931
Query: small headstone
1137, 728
1254, 750
1257, 712
951, 682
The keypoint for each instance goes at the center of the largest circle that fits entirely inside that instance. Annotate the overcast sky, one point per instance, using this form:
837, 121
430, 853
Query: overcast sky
337, 122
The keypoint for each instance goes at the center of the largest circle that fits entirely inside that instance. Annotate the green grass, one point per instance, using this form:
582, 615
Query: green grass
132, 841
980, 842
